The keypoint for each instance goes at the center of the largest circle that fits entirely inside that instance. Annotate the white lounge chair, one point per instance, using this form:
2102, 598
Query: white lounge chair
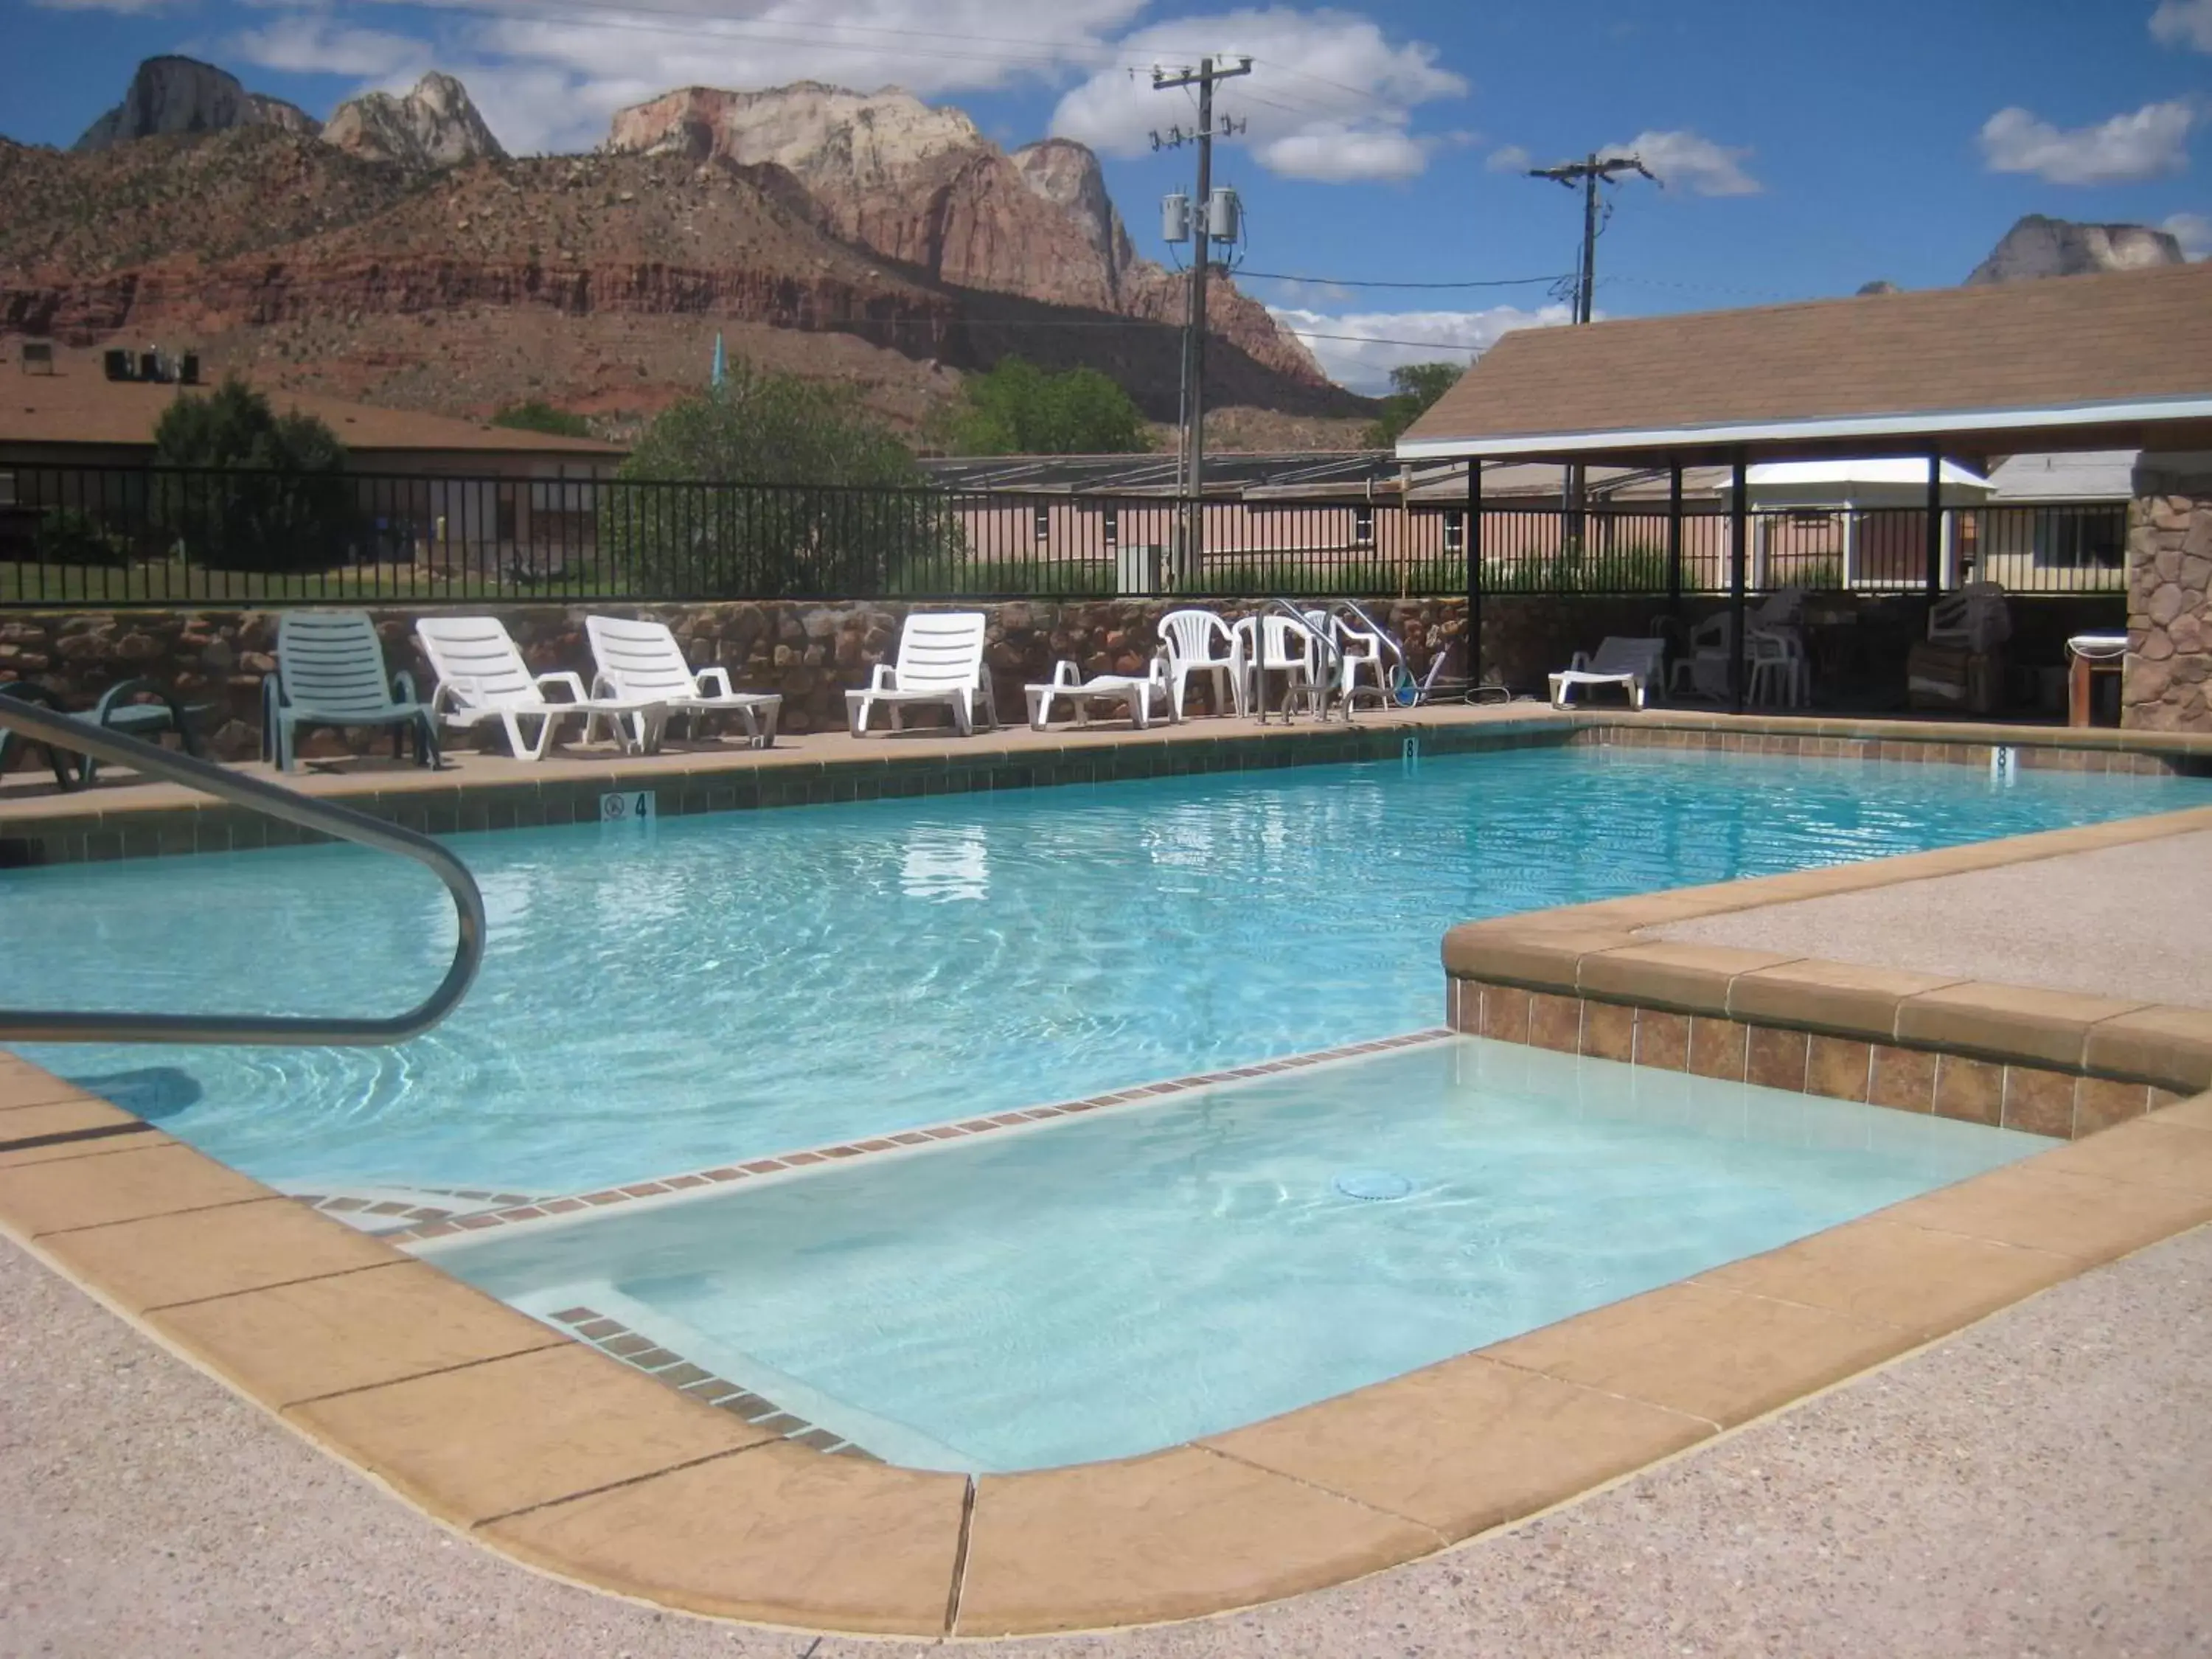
940, 660
1133, 691
1633, 665
481, 676
331, 671
1200, 642
642, 660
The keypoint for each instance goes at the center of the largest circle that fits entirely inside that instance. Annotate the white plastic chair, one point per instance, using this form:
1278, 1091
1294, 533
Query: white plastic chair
481, 676
1356, 648
641, 660
1200, 642
1631, 663
1280, 645
1776, 666
1135, 691
940, 660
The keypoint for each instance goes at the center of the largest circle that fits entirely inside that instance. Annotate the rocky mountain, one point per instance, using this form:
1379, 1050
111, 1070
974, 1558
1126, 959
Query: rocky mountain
435, 125
597, 281
2040, 247
182, 94
922, 185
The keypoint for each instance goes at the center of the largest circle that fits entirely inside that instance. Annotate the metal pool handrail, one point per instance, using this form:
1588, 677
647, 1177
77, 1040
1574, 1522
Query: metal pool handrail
81, 737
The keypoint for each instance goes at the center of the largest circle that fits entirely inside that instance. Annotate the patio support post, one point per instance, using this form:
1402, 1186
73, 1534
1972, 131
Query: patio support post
1472, 542
1674, 539
1739, 571
1934, 525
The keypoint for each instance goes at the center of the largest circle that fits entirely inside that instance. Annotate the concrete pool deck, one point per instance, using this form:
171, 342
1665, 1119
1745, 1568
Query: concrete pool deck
408, 1373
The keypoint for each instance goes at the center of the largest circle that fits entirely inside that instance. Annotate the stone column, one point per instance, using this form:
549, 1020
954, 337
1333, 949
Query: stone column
2167, 683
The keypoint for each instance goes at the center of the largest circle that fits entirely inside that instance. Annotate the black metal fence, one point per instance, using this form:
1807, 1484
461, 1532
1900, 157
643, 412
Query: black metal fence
160, 536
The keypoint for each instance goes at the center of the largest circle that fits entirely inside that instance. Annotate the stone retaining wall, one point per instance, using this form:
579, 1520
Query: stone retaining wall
811, 652
2167, 685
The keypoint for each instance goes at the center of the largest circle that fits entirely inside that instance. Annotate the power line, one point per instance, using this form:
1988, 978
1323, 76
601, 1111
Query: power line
1350, 281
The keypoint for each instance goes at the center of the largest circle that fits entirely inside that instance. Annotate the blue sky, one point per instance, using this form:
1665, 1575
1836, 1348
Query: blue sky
1808, 146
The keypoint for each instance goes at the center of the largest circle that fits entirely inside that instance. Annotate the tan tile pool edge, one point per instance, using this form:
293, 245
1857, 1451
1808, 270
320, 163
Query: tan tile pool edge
571, 1462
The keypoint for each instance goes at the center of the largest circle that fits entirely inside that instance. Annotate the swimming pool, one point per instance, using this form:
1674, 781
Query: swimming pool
1111, 1284
719, 987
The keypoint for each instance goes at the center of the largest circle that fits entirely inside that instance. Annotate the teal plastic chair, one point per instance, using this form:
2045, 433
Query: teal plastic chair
118, 709
330, 672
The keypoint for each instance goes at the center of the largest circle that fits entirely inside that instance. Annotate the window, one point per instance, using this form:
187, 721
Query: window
1042, 517
1111, 518
1363, 526
2077, 538
1454, 532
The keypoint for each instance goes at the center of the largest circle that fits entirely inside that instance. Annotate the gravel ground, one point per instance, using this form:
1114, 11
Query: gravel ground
2122, 921
2034, 1485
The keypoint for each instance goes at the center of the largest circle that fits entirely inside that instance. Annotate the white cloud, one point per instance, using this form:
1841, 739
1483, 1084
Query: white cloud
1329, 97
2193, 230
549, 79
1685, 158
1510, 158
309, 43
102, 5
2183, 23
2126, 149
1358, 349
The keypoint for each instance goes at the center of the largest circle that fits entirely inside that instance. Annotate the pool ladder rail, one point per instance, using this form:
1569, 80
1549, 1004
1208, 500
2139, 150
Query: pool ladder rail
63, 732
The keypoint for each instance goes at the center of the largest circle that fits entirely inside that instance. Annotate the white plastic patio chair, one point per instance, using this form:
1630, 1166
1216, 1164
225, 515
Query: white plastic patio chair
641, 660
1135, 692
1280, 645
481, 676
940, 660
331, 671
1200, 642
1358, 648
1632, 664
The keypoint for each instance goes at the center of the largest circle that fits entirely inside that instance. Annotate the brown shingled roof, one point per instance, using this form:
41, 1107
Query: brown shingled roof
78, 404
1983, 356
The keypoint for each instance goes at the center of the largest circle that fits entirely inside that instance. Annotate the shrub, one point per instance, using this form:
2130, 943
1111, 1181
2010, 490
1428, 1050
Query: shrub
255, 490
539, 416
769, 486
1019, 408
69, 535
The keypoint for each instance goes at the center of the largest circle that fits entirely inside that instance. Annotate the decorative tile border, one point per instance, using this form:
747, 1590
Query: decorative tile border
617, 1341
2035, 747
379, 1212
2034, 1099
547, 1209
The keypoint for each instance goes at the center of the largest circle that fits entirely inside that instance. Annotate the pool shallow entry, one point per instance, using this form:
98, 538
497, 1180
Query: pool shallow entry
1108, 1285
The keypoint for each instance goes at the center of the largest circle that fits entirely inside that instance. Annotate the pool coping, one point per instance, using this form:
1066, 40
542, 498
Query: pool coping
538, 1445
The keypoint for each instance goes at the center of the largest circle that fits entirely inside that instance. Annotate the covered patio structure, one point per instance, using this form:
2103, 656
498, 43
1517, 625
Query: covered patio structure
1954, 376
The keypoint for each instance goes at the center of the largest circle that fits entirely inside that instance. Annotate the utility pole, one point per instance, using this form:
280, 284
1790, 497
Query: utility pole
1208, 71
1587, 172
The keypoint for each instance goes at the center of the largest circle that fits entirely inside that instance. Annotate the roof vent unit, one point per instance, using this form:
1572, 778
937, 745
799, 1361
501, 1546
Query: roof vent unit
1225, 215
1175, 217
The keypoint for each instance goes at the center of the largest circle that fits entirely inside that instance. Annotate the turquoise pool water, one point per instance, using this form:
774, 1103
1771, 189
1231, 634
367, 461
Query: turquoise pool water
715, 987
1106, 1285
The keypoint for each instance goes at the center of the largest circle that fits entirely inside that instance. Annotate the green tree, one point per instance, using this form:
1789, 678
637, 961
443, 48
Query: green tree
1019, 408
538, 415
1413, 388
254, 489
770, 486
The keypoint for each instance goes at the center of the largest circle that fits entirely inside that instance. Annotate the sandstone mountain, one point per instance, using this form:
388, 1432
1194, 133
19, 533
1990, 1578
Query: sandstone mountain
920, 185
2040, 247
182, 94
597, 281
435, 125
